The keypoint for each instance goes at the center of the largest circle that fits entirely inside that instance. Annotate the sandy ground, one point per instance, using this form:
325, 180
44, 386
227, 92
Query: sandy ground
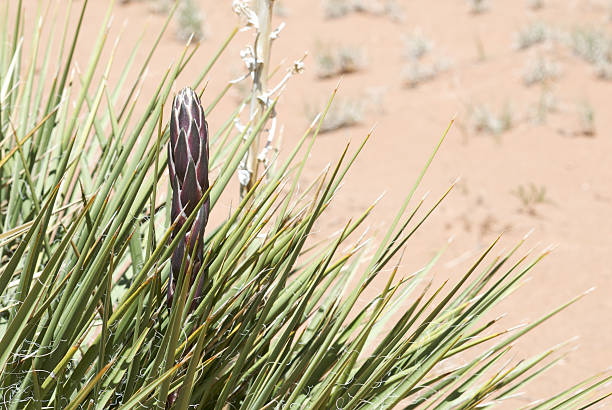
553, 155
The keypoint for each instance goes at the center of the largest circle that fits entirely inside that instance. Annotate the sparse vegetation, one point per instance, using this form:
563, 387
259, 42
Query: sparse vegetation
394, 10
340, 8
416, 73
535, 4
419, 68
190, 18
586, 119
590, 44
532, 34
161, 6
480, 48
547, 103
375, 99
540, 70
478, 6
530, 197
595, 47
333, 60
343, 113
483, 120
416, 45
337, 8
603, 70
190, 21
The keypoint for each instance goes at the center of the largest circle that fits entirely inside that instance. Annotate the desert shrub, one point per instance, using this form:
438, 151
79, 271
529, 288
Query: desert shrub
344, 112
484, 120
420, 67
417, 45
547, 103
478, 6
595, 47
531, 197
416, 73
160, 6
190, 21
85, 260
535, 4
590, 44
532, 34
334, 60
586, 119
540, 69
603, 70
337, 8
340, 8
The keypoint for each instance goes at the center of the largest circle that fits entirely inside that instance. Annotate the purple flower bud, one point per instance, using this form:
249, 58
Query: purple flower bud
188, 169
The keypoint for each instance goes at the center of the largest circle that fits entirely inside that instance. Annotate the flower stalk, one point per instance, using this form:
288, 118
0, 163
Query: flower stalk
188, 155
263, 9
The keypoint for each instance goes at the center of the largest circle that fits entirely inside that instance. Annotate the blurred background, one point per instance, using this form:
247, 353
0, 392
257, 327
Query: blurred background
528, 85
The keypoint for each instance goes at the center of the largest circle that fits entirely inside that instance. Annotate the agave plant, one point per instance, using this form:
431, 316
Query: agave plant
87, 254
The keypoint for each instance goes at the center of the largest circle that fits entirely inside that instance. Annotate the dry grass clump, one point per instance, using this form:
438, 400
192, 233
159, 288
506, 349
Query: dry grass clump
603, 70
478, 6
337, 8
540, 69
189, 17
190, 21
338, 60
547, 103
416, 45
485, 121
534, 33
419, 68
394, 11
349, 111
590, 44
340, 8
161, 6
535, 4
530, 196
595, 47
586, 119
375, 99
415, 73
343, 113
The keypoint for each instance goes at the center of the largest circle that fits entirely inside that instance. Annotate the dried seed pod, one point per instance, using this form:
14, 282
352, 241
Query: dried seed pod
188, 169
